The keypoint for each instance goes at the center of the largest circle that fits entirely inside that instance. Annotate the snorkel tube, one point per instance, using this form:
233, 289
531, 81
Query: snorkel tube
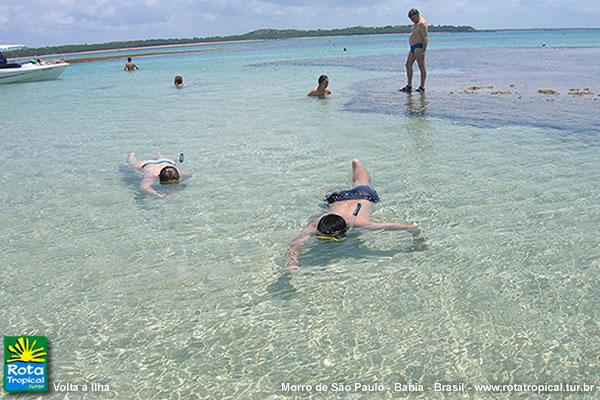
354, 215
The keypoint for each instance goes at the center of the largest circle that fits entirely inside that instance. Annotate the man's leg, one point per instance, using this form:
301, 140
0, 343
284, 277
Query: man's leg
360, 175
420, 56
410, 60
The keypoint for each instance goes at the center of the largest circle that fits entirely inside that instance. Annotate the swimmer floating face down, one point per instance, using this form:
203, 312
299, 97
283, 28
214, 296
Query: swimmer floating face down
345, 207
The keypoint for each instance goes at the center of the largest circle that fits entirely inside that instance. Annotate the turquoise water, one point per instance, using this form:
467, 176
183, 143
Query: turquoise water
184, 297
386, 44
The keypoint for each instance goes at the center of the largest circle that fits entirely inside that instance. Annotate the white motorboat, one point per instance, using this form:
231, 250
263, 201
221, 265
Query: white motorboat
29, 72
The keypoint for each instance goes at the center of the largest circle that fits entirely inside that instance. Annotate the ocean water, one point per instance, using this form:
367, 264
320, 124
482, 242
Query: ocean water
184, 297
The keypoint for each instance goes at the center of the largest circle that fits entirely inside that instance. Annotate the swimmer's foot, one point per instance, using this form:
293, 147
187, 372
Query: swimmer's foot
406, 89
420, 89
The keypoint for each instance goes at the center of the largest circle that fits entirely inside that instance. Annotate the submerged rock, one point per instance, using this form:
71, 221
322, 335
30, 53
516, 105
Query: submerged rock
473, 89
548, 91
580, 92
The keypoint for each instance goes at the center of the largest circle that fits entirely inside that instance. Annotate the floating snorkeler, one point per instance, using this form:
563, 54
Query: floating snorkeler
162, 168
348, 209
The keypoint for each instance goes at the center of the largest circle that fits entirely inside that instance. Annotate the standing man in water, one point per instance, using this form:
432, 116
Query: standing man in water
418, 44
130, 66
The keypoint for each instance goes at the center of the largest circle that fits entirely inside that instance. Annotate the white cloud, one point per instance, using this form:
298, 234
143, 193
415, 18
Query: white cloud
42, 22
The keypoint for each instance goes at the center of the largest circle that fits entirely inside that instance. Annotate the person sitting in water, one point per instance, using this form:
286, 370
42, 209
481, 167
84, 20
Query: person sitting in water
178, 81
162, 168
321, 90
130, 66
348, 209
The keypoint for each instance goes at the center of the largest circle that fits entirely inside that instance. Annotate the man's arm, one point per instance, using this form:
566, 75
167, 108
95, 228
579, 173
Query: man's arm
293, 250
133, 161
414, 229
146, 186
422, 28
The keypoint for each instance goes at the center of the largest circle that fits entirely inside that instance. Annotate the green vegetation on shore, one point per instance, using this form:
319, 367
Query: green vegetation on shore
261, 34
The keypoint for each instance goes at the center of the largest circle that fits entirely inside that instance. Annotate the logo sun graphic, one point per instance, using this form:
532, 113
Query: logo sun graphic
22, 351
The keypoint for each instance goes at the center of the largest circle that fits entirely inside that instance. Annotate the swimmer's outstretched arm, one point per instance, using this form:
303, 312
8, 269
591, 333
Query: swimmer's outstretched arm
414, 229
293, 250
146, 186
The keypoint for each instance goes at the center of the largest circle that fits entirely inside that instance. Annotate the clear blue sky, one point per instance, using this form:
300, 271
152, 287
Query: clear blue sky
48, 22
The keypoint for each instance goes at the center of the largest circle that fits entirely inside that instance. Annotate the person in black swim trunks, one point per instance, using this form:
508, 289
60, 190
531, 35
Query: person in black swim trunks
348, 208
162, 168
418, 40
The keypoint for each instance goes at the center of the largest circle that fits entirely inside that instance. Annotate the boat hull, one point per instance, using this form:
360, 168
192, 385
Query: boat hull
32, 73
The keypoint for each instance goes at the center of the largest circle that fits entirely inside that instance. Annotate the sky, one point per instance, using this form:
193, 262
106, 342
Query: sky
52, 22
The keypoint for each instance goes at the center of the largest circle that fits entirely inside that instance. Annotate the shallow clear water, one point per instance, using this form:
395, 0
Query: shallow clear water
183, 297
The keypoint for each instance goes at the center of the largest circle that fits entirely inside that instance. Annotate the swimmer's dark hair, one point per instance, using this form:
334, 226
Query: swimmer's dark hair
332, 225
168, 175
129, 59
178, 80
323, 78
412, 12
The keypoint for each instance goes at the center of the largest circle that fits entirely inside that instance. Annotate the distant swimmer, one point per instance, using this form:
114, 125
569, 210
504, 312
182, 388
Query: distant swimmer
178, 81
163, 169
348, 209
321, 90
418, 41
130, 66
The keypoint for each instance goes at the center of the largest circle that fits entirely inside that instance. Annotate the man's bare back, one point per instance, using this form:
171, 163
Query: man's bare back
130, 65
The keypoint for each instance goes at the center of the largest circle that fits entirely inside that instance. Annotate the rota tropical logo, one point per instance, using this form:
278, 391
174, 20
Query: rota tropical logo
25, 363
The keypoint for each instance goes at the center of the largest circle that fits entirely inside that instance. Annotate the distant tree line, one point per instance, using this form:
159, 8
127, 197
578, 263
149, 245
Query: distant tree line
261, 34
